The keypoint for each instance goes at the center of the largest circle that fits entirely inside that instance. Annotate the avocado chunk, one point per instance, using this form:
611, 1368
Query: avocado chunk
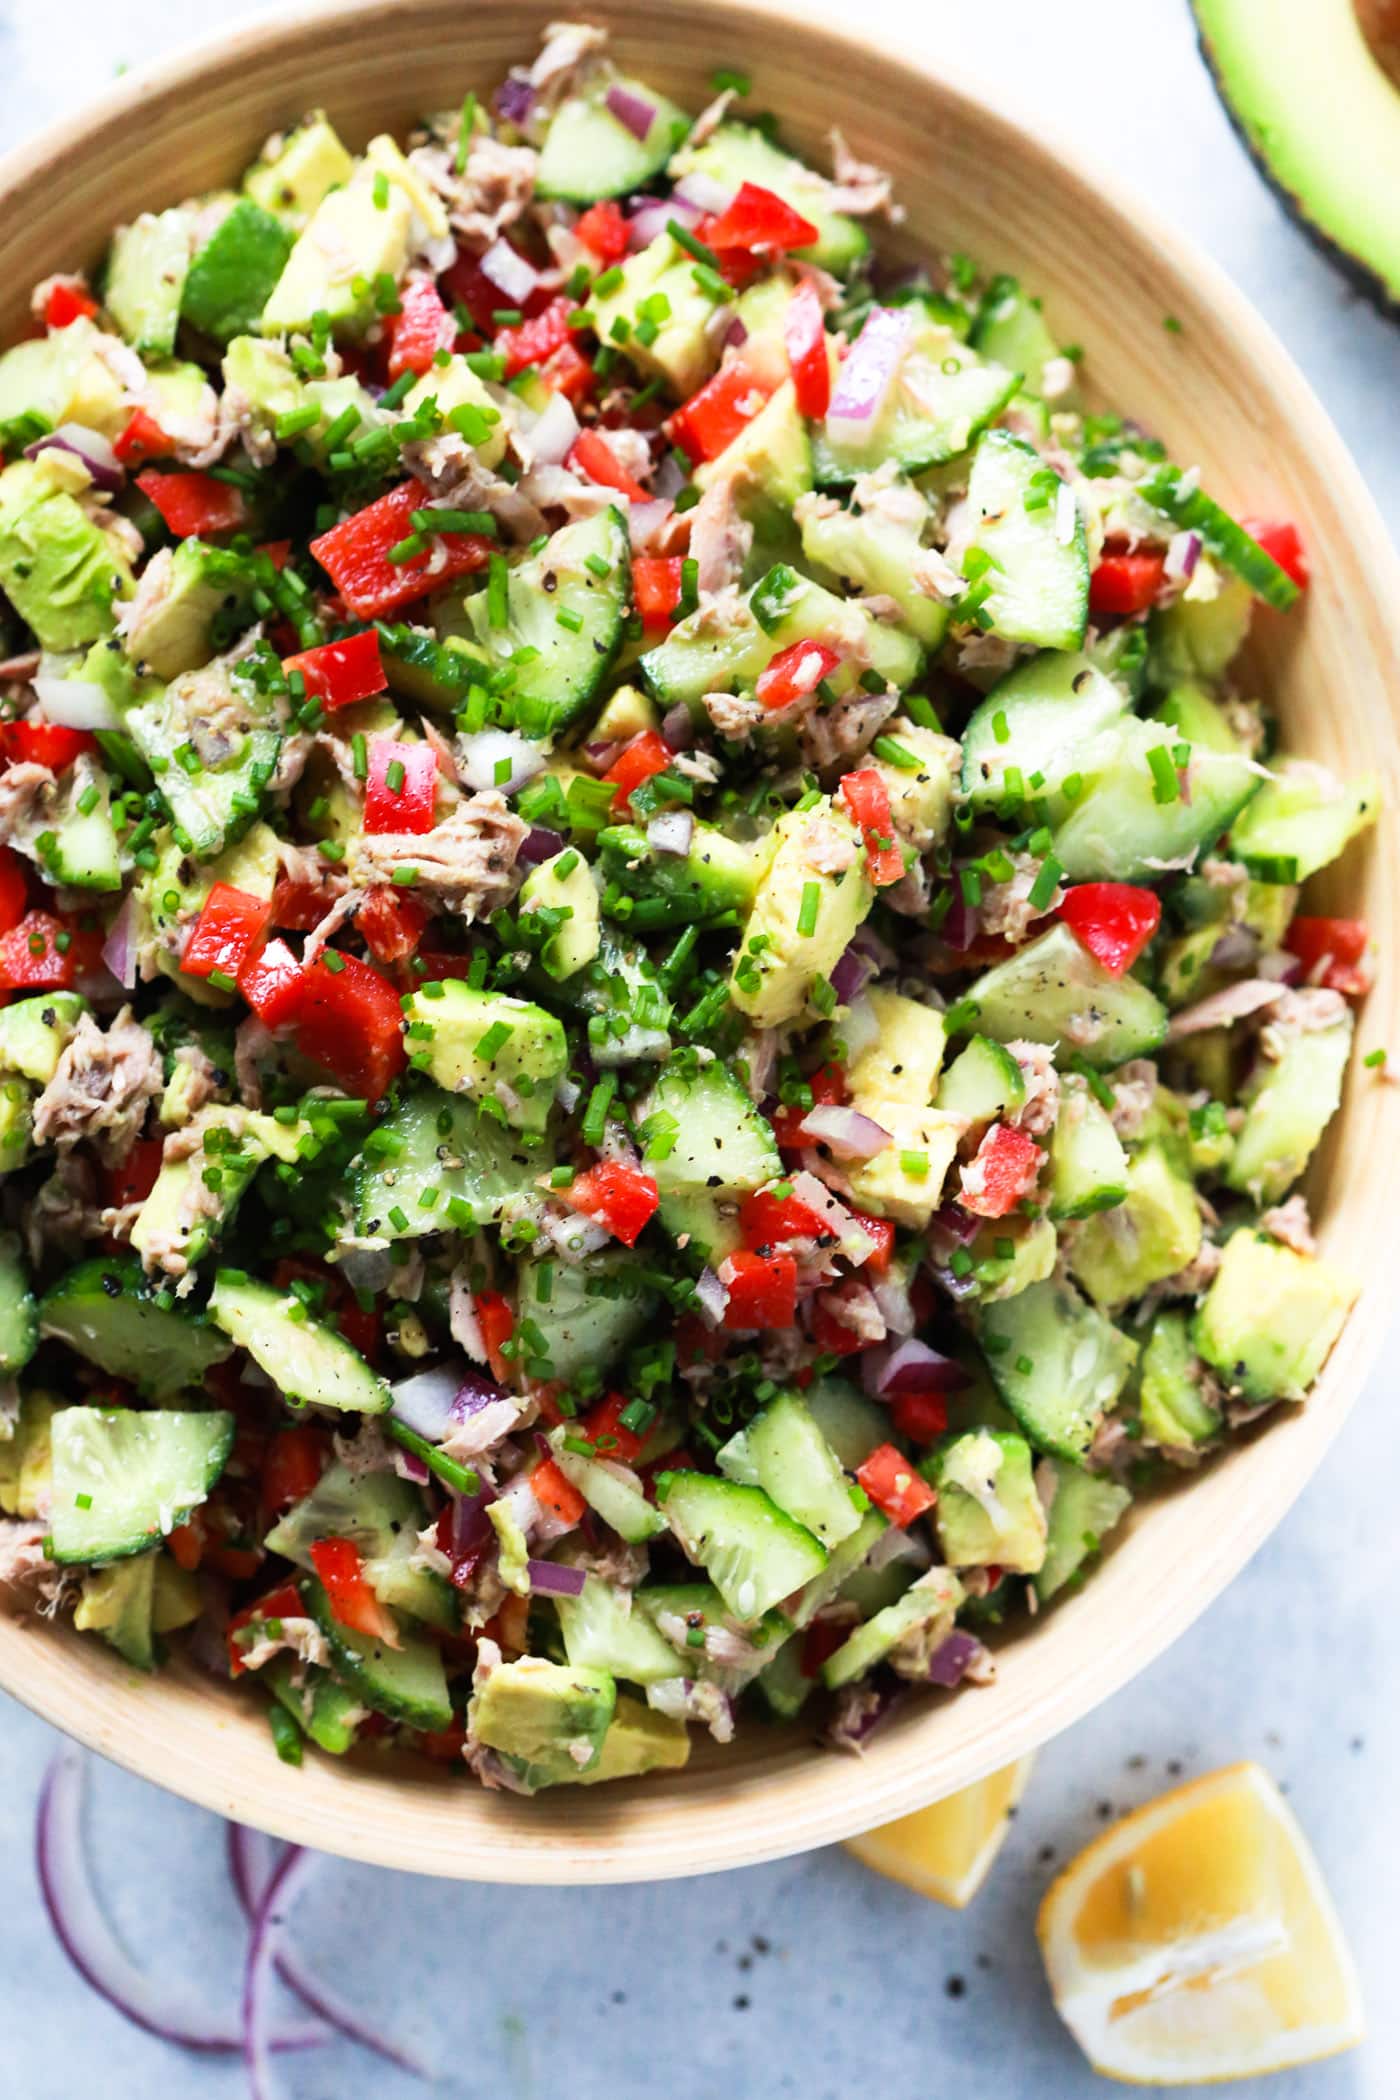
185, 596
146, 277
1291, 98
639, 1740
307, 165
988, 1509
1156, 1230
63, 378
658, 316
35, 1032
564, 885
173, 1232
59, 570
232, 276
803, 915
1270, 1317
1288, 1103
548, 1721
491, 1046
1174, 1415
118, 1602
347, 243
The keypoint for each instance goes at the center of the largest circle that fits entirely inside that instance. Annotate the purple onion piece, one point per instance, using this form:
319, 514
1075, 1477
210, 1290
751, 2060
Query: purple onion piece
851, 975
549, 1578
471, 1527
910, 1366
678, 727
474, 1392
955, 1223
632, 110
735, 334
846, 1133
952, 1660
89, 446
671, 832
514, 99
540, 843
867, 375
959, 928
599, 756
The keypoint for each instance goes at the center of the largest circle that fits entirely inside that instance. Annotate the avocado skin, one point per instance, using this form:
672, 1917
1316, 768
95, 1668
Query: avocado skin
1373, 288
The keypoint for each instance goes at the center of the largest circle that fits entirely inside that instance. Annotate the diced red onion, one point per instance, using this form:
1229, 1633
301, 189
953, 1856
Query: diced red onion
94, 450
845, 1132
1236, 949
76, 703
712, 1297
645, 520
704, 193
509, 271
956, 1224
485, 752
868, 372
552, 435
953, 1658
910, 1366
156, 2003
860, 1709
598, 756
514, 99
471, 1527
474, 1392
632, 110
119, 948
671, 832
648, 219
669, 478
424, 1402
409, 1466
550, 1578
540, 843
1183, 553
959, 927
678, 726
851, 975
735, 335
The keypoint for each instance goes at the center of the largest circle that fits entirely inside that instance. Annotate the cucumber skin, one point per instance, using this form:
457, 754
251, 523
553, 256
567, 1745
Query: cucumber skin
177, 1347
360, 1663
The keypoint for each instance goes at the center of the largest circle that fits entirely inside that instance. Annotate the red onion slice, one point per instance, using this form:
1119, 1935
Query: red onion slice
514, 99
1183, 553
76, 703
599, 755
645, 520
704, 193
868, 372
423, 1403
910, 1367
631, 110
712, 1297
509, 271
552, 435
671, 832
89, 446
486, 756
851, 975
119, 948
549, 1578
953, 1658
678, 726
540, 843
845, 1132
158, 2005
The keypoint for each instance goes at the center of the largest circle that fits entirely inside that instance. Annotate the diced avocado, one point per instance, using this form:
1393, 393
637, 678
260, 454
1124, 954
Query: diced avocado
26, 1458
455, 385
16, 1123
735, 154
35, 1032
308, 164
927, 1609
1085, 1506
723, 1151
347, 243
146, 271
904, 1180
232, 276
184, 592
770, 459
904, 1057
262, 375
1010, 1254
1288, 1104
565, 883
802, 917
62, 378
116, 1601
491, 1046
172, 893
590, 153
1088, 1165
234, 1144
433, 674
60, 571
921, 794
658, 317
307, 1359
178, 1599
383, 156
1300, 820
1156, 1230
715, 874
878, 554
988, 1510
1053, 991
215, 802
1174, 1416
112, 1314
982, 1083
1199, 636
548, 1721
1270, 1317
638, 1740
627, 712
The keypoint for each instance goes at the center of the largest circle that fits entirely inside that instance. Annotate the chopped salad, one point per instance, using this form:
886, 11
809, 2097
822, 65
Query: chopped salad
660, 1022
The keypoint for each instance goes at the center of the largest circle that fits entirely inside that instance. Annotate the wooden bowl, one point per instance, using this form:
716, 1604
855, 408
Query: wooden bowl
1222, 394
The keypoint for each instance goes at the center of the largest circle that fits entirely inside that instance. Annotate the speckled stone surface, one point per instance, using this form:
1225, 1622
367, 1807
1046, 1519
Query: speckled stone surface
812, 1977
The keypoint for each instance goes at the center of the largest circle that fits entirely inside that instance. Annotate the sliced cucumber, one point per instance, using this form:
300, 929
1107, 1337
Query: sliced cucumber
437, 1164
723, 1151
1301, 820
784, 1684
784, 1452
1168, 489
216, 805
327, 1710
605, 1628
382, 1515
1086, 1506
620, 990
406, 1683
851, 1424
983, 1082
930, 1602
1053, 991
1058, 1363
942, 395
608, 1491
84, 854
1010, 327
108, 1311
735, 154
589, 153
843, 1566
1036, 574
587, 1311
1088, 1166
1287, 1110
753, 1554
1132, 821
122, 1479
715, 875
1028, 736
19, 1316
547, 593
308, 1362
871, 554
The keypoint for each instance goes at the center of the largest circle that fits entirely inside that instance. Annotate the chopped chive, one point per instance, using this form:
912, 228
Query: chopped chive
808, 909
1165, 785
465, 128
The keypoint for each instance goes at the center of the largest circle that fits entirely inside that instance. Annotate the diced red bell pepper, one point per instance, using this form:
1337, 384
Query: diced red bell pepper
351, 1596
656, 589
1282, 541
766, 1220
880, 1231
278, 552
391, 923
227, 933
185, 1543
193, 505
830, 1332
362, 1327
350, 1021
31, 959
132, 1180
556, 1494
66, 304
50, 744
300, 906
809, 361
1333, 952
892, 1484
466, 284
294, 1461
828, 1085
760, 219
867, 801
921, 1417
617, 1196
497, 1324
285, 1602
340, 673
355, 555
706, 424
142, 438
401, 791
603, 229
419, 330
14, 888
646, 755
531, 342
1113, 920
594, 456
1125, 583
608, 1433
439, 966
762, 1289
567, 371
794, 673
1005, 1169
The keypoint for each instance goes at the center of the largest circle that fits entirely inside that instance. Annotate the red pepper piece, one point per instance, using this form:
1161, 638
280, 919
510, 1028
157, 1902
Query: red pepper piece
603, 229
617, 1196
355, 554
419, 330
656, 589
350, 1021
1333, 952
706, 424
340, 673
794, 673
401, 791
594, 456
391, 922
1005, 1169
804, 339
867, 801
1281, 540
762, 1289
1125, 583
646, 755
892, 1484
193, 505
227, 932
1113, 920
759, 219
273, 982
352, 1598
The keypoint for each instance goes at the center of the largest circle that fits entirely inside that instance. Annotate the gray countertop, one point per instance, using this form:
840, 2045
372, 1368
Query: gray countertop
812, 1976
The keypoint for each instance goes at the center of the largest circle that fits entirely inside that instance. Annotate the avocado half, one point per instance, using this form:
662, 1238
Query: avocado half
1308, 90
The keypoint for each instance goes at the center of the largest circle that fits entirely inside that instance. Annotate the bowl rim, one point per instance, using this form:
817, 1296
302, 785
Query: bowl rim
839, 1807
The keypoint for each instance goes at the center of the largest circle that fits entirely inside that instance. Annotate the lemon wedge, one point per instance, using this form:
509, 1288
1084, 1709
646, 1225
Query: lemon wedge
1196, 1941
944, 1851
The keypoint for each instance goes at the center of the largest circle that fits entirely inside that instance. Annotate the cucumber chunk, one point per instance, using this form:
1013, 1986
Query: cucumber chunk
587, 1312
1301, 820
716, 874
1036, 721
1190, 508
1088, 1166
1058, 1363
608, 1490
406, 1683
1286, 1111
307, 1361
942, 395
1035, 574
851, 1424
1053, 991
1128, 824
588, 153
735, 154
931, 1602
784, 1452
723, 1151
983, 1082
108, 1311
546, 594
439, 1142
1085, 1507
605, 1628
382, 1515
122, 1480
19, 1317
324, 1708
753, 1554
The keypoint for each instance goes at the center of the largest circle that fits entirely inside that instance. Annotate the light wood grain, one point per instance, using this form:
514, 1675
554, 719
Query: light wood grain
1222, 394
